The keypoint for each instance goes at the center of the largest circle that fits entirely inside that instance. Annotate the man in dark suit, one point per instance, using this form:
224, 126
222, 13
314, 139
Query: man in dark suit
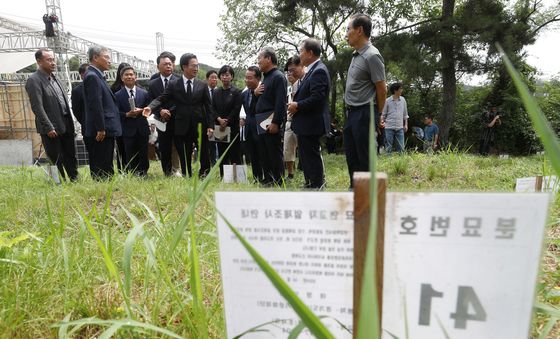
165, 62
192, 107
103, 121
252, 81
53, 119
162, 55
310, 113
135, 128
78, 105
273, 93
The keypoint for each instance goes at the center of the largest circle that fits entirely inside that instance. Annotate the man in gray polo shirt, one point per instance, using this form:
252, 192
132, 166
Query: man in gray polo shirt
366, 81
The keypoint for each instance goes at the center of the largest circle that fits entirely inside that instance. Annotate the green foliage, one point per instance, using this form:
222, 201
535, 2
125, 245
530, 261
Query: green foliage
538, 119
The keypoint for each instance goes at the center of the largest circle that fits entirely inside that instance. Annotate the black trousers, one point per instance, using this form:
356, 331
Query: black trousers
101, 158
231, 156
61, 151
356, 139
165, 141
212, 152
311, 160
185, 145
271, 157
136, 150
251, 143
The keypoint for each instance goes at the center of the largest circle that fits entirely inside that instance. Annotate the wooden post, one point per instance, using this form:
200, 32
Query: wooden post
362, 217
539, 183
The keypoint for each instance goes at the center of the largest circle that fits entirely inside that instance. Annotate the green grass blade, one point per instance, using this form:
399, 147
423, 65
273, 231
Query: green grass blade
127, 253
196, 283
65, 259
107, 205
196, 195
61, 218
443, 330
108, 260
258, 328
108, 333
547, 328
296, 331
538, 119
109, 264
547, 309
49, 214
63, 329
368, 321
305, 314
120, 323
392, 335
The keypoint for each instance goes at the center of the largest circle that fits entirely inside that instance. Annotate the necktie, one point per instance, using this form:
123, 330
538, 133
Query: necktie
211, 94
189, 89
250, 98
165, 81
131, 93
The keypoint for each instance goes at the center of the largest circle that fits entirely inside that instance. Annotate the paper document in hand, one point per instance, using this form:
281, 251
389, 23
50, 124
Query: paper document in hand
159, 124
263, 120
242, 113
221, 136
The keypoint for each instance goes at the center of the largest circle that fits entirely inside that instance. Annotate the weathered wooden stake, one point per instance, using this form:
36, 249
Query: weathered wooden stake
539, 183
362, 217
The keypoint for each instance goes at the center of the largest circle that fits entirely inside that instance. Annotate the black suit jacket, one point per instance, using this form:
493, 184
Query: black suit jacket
312, 116
155, 89
188, 111
138, 125
102, 113
78, 105
45, 105
227, 105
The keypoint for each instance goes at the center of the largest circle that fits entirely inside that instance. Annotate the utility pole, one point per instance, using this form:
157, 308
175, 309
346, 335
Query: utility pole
159, 43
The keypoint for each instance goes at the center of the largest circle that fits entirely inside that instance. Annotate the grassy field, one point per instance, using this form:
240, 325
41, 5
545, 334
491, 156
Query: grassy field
69, 251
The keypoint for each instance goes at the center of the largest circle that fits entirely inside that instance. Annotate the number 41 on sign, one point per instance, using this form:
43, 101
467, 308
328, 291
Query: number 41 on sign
473, 278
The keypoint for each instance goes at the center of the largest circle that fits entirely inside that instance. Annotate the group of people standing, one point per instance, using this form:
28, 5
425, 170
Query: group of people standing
194, 110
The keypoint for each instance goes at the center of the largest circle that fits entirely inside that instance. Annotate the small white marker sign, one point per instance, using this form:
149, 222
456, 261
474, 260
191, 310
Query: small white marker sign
462, 264
308, 238
529, 184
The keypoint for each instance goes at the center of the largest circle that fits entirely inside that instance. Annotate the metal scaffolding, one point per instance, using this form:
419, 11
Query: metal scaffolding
16, 118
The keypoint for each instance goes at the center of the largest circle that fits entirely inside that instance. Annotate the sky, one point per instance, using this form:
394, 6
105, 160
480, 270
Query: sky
187, 26
130, 26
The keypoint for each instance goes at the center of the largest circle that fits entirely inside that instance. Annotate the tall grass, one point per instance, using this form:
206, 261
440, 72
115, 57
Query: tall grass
56, 281
551, 146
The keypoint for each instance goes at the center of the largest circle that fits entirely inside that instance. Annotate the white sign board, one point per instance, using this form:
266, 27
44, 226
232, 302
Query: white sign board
308, 238
529, 184
467, 261
235, 174
16, 152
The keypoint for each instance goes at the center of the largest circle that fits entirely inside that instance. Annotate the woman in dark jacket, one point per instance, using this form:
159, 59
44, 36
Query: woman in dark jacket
226, 101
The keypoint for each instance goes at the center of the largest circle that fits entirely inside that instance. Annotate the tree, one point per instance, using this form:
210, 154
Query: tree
429, 45
283, 24
461, 38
